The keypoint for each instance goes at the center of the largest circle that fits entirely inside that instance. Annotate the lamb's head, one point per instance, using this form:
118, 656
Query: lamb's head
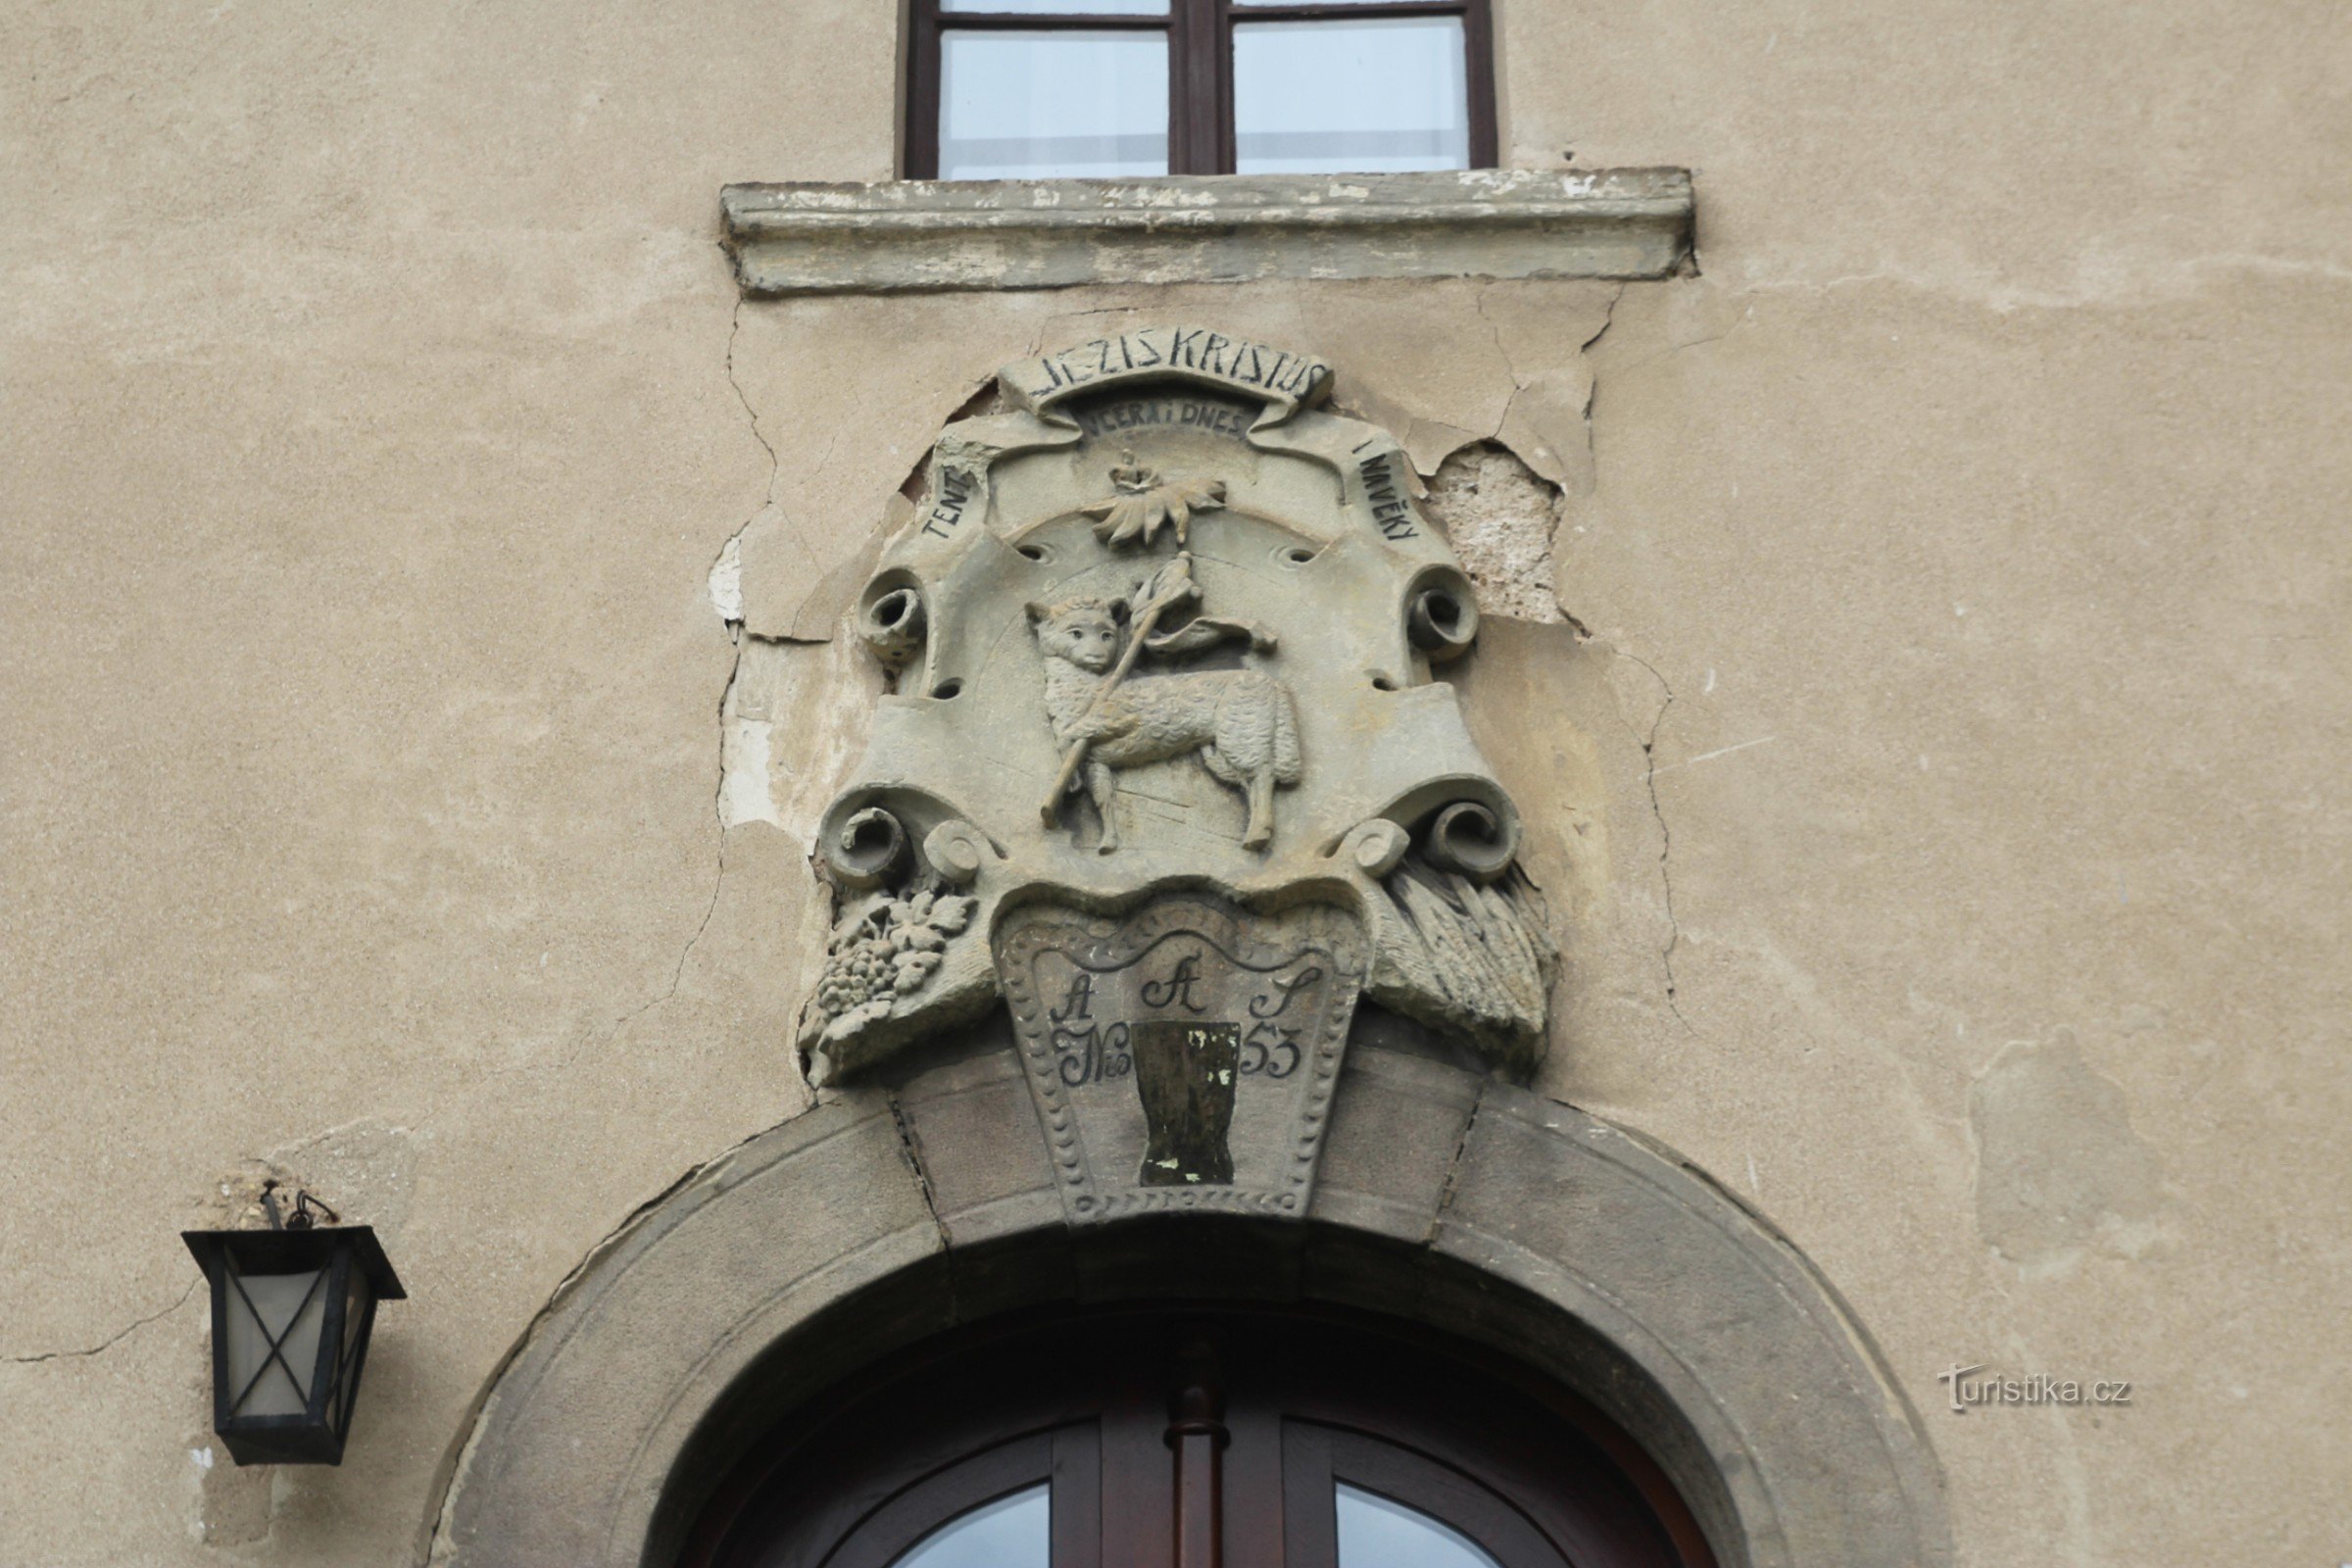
1084, 631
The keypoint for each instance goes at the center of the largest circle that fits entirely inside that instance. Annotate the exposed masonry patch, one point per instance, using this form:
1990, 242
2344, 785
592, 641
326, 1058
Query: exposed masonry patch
793, 714
234, 1506
1501, 516
726, 579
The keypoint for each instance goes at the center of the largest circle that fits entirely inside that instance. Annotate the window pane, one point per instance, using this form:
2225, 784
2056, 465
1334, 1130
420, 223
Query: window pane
1375, 96
1376, 1533
1060, 8
1008, 1533
1047, 105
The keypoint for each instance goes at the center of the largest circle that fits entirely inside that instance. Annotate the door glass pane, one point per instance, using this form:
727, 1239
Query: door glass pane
1376, 96
1060, 8
1376, 1533
1048, 104
1008, 1533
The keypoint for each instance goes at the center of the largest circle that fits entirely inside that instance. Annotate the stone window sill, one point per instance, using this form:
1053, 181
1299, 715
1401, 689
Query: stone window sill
902, 236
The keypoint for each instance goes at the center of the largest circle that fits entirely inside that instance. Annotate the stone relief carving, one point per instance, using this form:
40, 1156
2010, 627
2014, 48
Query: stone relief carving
884, 948
1145, 501
1240, 722
1184, 1056
1164, 640
1469, 959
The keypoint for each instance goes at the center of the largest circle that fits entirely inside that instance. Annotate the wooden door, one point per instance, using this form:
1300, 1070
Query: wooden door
1213, 1439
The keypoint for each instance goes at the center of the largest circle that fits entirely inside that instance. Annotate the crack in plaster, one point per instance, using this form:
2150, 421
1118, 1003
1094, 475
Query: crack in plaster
726, 571
1648, 739
1649, 780
111, 1339
718, 805
1608, 319
1509, 369
911, 1148
1454, 1168
1672, 349
775, 467
719, 790
725, 574
677, 977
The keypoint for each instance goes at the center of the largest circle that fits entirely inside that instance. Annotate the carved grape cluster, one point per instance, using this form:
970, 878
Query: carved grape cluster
881, 953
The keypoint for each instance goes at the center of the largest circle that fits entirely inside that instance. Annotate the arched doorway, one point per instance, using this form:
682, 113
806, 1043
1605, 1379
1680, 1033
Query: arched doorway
872, 1229
1233, 1438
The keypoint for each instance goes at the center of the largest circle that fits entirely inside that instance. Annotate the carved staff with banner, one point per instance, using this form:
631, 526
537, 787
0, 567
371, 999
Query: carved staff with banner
1240, 722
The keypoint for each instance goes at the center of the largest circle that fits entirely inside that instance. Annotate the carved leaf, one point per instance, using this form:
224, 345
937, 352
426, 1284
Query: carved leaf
1484, 950
886, 951
857, 1018
1137, 515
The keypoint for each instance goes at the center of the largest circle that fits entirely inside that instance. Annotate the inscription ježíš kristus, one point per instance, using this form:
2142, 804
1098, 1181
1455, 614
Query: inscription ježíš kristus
1164, 636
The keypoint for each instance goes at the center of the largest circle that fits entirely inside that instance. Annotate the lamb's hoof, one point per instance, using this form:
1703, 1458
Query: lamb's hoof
1108, 846
1257, 840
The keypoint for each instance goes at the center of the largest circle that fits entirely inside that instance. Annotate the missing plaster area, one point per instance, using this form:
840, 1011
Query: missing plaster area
1501, 516
793, 721
2061, 1173
986, 401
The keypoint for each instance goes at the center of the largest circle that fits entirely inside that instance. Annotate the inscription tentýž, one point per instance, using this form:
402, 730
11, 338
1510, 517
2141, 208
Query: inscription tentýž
952, 493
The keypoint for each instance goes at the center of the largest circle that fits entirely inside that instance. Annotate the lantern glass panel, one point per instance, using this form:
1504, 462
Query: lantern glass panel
273, 1328
358, 1304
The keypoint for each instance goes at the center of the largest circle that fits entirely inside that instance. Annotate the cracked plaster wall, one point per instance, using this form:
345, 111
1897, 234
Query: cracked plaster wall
1933, 736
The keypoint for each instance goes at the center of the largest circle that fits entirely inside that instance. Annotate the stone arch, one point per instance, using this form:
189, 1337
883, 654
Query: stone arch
889, 1213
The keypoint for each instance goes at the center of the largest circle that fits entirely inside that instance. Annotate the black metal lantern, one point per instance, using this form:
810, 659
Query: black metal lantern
292, 1308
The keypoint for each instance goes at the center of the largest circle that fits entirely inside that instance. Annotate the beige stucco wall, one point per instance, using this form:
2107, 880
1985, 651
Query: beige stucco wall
1957, 736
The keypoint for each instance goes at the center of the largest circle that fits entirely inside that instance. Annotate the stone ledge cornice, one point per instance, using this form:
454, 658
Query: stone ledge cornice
914, 235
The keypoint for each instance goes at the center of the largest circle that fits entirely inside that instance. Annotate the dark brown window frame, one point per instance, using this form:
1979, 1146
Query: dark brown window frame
1200, 67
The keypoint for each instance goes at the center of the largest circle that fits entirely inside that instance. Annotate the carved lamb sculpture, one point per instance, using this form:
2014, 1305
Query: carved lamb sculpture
1239, 720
